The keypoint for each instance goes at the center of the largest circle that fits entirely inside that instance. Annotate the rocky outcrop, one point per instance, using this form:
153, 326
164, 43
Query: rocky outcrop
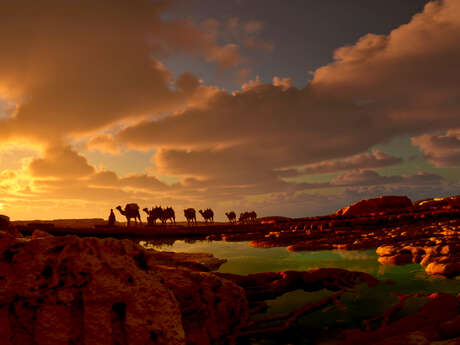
451, 201
269, 285
435, 323
70, 290
4, 221
436, 248
375, 205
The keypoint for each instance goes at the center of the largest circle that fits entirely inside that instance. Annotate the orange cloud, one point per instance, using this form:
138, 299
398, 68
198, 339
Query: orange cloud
441, 150
60, 162
266, 46
368, 160
73, 77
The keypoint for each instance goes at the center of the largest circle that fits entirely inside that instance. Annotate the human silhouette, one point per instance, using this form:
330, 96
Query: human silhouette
111, 218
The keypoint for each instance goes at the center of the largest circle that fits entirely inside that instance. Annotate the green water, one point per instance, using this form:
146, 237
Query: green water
322, 327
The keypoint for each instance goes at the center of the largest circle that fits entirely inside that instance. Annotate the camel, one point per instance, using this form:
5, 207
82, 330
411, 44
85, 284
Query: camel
231, 216
168, 213
151, 219
190, 215
243, 218
247, 217
130, 211
208, 215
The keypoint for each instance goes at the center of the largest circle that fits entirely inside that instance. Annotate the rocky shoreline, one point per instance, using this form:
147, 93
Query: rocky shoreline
86, 290
71, 290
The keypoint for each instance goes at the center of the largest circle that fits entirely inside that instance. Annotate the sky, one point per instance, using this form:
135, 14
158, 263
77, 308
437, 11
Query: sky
291, 108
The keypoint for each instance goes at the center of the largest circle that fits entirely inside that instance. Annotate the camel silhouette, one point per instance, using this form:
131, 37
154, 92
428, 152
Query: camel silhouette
163, 214
231, 216
151, 220
208, 215
247, 217
153, 214
169, 214
190, 215
130, 211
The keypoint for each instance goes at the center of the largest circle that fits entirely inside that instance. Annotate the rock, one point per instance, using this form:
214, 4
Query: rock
387, 250
451, 328
14, 232
447, 269
4, 221
454, 341
398, 259
196, 261
412, 338
40, 234
269, 285
382, 203
71, 290
424, 324
453, 201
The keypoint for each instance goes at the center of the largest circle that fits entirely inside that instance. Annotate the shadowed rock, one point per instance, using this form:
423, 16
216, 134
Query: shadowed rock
382, 203
70, 290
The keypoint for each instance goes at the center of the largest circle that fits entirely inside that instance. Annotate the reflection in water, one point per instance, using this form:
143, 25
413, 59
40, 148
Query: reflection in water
368, 302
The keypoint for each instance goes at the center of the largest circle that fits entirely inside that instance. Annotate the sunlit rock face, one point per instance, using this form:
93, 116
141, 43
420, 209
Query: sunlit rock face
435, 247
380, 204
451, 201
70, 290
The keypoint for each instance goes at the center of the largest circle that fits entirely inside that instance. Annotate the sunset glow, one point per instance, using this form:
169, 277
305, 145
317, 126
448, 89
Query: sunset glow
198, 105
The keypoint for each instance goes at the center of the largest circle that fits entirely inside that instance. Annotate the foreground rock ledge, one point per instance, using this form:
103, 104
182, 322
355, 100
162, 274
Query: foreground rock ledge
70, 290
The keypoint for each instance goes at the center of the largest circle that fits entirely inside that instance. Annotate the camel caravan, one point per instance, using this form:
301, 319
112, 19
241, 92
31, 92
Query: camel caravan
163, 215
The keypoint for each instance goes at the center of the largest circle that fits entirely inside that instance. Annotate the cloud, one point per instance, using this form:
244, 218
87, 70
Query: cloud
406, 77
367, 160
73, 77
263, 45
253, 26
375, 90
60, 162
283, 83
441, 150
100, 76
372, 178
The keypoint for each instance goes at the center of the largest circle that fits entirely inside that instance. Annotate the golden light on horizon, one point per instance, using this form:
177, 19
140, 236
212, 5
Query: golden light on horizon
1, 206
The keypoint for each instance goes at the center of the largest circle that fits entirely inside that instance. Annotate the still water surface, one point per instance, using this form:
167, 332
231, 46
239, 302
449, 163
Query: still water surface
322, 327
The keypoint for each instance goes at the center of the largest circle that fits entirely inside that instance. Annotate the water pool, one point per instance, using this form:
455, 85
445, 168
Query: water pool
326, 324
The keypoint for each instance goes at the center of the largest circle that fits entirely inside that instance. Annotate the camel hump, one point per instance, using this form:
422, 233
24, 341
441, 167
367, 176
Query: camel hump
132, 207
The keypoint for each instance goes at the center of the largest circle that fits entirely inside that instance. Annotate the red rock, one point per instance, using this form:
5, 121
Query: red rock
64, 290
398, 259
412, 338
451, 328
382, 203
444, 268
439, 202
40, 234
14, 232
426, 322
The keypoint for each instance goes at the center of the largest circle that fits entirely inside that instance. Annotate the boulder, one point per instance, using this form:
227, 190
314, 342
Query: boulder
420, 326
380, 204
4, 221
71, 290
453, 201
398, 259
